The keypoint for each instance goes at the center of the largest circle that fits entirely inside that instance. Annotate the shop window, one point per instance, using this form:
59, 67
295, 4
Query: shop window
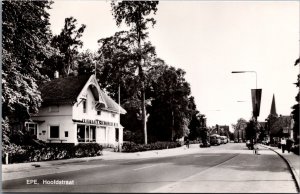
54, 131
86, 133
54, 108
84, 106
31, 128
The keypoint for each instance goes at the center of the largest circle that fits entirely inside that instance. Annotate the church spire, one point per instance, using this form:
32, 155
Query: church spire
273, 107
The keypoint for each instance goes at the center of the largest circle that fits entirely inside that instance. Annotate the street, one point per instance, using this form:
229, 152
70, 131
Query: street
230, 168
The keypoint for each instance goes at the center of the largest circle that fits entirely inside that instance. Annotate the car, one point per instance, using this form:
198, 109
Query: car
215, 139
236, 140
204, 144
224, 139
249, 144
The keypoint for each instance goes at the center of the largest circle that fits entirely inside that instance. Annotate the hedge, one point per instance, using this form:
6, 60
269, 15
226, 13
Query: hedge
132, 147
19, 154
296, 149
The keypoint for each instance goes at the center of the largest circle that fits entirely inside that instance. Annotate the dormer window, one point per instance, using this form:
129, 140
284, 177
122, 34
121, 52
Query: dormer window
98, 112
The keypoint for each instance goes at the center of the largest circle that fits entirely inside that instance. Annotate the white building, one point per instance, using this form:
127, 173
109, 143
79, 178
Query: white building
76, 110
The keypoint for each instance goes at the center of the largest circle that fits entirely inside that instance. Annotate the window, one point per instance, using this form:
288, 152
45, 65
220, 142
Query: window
117, 134
86, 133
113, 115
98, 112
66, 134
31, 128
54, 131
84, 106
54, 108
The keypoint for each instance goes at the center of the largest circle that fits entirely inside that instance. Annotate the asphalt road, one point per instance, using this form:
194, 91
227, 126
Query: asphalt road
229, 168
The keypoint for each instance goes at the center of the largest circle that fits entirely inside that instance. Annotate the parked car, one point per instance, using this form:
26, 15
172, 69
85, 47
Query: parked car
204, 144
224, 139
249, 144
215, 139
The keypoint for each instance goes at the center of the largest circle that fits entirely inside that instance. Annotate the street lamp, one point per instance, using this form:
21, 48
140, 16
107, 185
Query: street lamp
256, 97
248, 72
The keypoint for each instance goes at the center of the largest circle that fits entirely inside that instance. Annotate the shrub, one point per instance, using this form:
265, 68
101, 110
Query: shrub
18, 154
132, 147
88, 149
296, 149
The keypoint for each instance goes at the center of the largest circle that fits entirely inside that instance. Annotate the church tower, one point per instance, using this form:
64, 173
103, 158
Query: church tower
273, 107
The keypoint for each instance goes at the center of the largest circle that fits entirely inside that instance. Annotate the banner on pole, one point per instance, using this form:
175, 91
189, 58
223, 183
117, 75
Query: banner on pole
256, 98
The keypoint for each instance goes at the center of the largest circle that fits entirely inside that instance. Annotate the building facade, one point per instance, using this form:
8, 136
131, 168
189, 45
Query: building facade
75, 110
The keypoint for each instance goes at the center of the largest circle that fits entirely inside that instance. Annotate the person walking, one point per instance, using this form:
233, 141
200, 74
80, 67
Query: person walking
187, 143
283, 144
289, 144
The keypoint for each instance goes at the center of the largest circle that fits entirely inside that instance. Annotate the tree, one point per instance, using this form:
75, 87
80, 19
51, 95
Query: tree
67, 42
136, 15
86, 63
26, 45
251, 130
195, 122
295, 111
170, 113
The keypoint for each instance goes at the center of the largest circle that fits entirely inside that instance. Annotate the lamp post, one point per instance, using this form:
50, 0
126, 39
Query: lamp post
248, 72
256, 95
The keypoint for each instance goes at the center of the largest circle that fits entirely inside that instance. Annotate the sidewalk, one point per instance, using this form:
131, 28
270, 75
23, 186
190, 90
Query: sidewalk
22, 170
292, 159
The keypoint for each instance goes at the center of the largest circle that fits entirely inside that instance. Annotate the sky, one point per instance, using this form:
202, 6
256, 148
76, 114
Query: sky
209, 40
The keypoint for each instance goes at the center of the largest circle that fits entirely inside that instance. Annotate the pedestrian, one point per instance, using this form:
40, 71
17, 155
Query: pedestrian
255, 148
187, 143
283, 144
289, 143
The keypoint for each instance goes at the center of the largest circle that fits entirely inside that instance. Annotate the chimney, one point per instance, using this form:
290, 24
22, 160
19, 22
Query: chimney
56, 74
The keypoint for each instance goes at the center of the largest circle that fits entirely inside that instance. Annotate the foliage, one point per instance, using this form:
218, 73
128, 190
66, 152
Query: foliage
295, 111
132, 147
26, 44
18, 154
170, 105
86, 62
251, 129
67, 42
136, 14
296, 149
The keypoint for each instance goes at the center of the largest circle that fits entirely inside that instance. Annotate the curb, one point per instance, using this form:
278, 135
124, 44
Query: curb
291, 168
131, 156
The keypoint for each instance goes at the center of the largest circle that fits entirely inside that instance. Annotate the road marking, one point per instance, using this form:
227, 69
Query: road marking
207, 155
145, 167
170, 187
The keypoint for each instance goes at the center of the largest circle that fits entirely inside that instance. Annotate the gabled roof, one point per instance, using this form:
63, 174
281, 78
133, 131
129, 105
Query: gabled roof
66, 90
62, 90
111, 104
280, 123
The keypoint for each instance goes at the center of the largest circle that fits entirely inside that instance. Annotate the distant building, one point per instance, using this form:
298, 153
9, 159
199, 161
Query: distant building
240, 133
278, 127
282, 127
75, 110
222, 130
